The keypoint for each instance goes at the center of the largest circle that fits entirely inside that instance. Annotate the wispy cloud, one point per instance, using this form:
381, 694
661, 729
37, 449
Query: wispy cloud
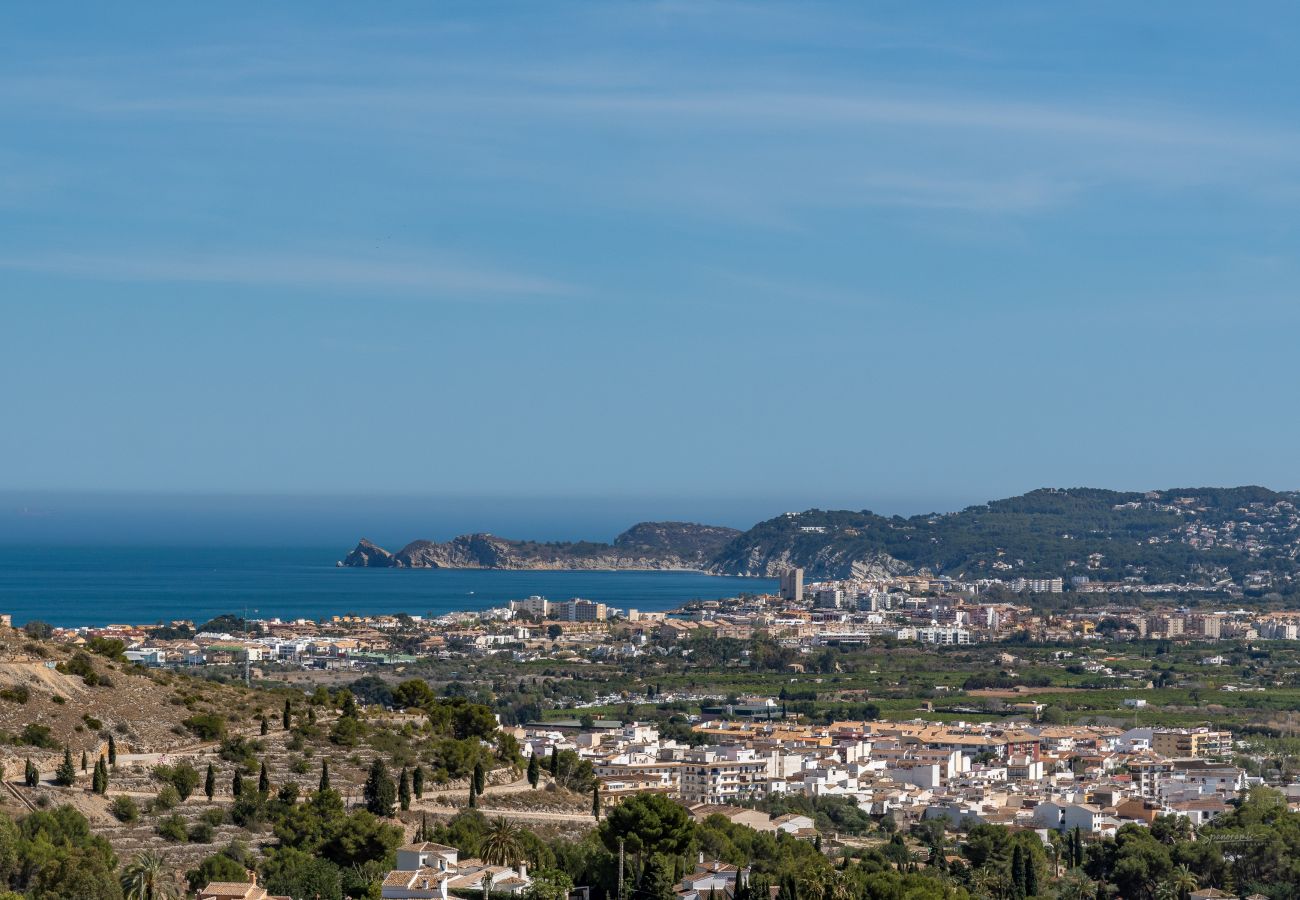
288, 271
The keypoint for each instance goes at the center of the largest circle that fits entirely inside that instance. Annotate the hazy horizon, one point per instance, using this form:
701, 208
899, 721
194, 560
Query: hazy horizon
126, 518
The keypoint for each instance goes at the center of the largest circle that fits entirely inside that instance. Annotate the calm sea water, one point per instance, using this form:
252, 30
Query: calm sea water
98, 585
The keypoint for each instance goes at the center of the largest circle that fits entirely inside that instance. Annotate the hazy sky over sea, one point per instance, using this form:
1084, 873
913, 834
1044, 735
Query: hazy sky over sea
685, 259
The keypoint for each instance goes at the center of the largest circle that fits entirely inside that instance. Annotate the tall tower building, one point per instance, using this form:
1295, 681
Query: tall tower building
792, 584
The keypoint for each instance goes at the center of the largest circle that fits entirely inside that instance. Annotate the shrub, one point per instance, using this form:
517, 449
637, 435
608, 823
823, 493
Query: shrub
16, 694
167, 799
346, 732
80, 664
172, 828
182, 776
124, 809
37, 736
200, 833
206, 726
216, 816
92, 723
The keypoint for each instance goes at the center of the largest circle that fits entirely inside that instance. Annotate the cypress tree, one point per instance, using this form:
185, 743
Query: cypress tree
534, 771
473, 803
264, 781
1031, 876
595, 801
555, 762
84, 761
480, 778
237, 785
324, 775
417, 782
266, 725
311, 715
112, 751
66, 773
31, 775
404, 790
1017, 872
210, 782
286, 719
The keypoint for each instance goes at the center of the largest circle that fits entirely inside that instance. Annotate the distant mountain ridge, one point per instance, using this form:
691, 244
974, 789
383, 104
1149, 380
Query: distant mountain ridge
1249, 536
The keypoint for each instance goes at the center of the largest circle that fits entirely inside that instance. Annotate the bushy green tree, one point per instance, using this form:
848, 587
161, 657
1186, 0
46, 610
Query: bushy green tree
380, 792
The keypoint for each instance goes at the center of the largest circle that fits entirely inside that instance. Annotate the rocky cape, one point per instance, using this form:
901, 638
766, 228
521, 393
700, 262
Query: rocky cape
669, 546
1248, 536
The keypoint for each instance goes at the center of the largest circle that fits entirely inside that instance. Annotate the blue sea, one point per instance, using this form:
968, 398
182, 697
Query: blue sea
73, 586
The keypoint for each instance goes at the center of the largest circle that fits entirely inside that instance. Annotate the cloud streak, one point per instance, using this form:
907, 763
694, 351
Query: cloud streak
288, 271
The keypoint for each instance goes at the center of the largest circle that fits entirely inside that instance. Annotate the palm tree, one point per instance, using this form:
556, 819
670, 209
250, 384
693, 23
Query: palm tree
1183, 880
1166, 891
147, 878
503, 844
1076, 886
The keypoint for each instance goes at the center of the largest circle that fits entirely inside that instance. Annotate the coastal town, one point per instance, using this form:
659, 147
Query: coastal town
802, 616
733, 755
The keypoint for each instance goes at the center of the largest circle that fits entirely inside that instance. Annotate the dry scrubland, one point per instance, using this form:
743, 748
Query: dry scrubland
52, 697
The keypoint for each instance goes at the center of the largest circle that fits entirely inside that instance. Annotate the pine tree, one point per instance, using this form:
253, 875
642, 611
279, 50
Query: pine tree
66, 773
404, 790
534, 771
480, 778
264, 781
286, 719
417, 782
112, 751
379, 791
324, 775
210, 782
237, 785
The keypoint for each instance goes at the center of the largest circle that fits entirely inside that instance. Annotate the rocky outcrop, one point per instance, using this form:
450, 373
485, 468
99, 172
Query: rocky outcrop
821, 562
368, 555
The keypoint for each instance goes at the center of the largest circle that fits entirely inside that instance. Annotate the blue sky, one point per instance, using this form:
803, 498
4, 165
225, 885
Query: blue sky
896, 255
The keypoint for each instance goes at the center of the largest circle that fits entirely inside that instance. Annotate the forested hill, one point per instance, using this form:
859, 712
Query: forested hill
1247, 535
1200, 535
